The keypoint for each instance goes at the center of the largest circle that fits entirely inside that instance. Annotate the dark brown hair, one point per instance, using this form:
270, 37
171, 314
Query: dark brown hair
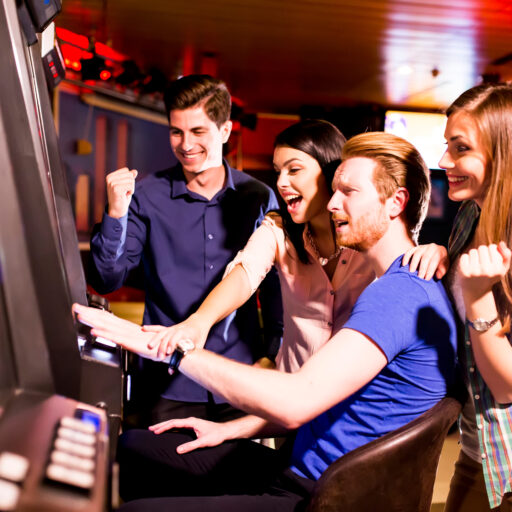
200, 90
322, 141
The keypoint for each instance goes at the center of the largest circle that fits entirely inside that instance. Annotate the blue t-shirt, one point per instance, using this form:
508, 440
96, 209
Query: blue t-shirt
413, 323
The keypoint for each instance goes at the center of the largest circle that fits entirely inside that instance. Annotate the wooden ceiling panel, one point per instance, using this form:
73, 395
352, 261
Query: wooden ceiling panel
280, 54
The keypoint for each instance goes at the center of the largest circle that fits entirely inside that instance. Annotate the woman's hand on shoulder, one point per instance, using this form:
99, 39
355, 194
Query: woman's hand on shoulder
428, 260
482, 267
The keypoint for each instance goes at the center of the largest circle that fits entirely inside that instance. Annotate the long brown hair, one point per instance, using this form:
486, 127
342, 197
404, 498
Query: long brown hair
490, 106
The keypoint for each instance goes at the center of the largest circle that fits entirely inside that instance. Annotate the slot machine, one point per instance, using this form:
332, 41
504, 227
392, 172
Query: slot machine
54, 450
83, 367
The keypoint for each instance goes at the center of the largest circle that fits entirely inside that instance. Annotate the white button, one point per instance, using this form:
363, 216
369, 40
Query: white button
77, 437
9, 495
13, 467
468, 342
484, 456
76, 449
479, 426
70, 476
477, 397
471, 369
211, 267
66, 459
210, 236
76, 424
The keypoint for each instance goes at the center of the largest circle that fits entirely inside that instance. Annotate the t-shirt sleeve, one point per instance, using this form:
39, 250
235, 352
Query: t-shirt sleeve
258, 255
387, 312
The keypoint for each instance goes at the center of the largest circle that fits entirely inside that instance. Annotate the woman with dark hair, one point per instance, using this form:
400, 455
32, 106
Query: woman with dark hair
319, 281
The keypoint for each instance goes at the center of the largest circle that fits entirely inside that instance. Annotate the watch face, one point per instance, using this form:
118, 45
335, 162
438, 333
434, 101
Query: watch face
186, 345
480, 325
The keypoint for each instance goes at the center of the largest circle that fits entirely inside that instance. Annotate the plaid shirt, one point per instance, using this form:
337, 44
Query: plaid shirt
494, 420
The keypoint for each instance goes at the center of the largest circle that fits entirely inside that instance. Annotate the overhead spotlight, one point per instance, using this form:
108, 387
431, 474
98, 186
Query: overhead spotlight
130, 74
491, 78
246, 120
155, 81
93, 68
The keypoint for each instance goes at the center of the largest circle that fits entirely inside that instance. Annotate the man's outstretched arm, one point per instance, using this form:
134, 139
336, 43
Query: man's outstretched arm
341, 367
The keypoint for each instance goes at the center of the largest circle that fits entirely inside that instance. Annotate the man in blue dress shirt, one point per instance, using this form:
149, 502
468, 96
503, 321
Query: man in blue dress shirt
185, 224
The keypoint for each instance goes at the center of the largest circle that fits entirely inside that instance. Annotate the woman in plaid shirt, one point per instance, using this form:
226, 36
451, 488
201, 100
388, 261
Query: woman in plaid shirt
478, 164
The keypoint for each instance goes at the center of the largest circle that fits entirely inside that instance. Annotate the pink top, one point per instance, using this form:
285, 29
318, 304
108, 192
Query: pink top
314, 308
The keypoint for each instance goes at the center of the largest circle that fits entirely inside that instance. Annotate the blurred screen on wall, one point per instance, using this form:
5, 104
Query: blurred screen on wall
423, 130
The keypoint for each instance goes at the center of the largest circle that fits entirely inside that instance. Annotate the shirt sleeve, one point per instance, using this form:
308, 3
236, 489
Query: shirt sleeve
258, 255
116, 248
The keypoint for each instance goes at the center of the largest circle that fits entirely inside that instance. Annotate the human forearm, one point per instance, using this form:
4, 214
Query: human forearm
265, 393
341, 367
491, 349
250, 427
231, 293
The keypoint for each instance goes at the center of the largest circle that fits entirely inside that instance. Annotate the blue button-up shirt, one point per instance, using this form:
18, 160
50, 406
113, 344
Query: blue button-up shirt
185, 241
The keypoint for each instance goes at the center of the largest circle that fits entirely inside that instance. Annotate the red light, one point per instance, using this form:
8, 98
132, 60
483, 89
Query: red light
76, 65
105, 74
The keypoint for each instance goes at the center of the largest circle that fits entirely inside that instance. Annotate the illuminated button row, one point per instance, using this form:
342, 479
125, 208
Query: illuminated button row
72, 459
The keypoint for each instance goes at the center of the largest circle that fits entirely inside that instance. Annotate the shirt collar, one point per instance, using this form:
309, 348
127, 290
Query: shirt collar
179, 183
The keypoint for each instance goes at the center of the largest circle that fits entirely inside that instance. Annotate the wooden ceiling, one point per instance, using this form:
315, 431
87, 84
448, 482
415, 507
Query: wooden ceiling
278, 55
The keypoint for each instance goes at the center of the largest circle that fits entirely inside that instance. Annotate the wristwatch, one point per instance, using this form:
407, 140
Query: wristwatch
481, 325
182, 348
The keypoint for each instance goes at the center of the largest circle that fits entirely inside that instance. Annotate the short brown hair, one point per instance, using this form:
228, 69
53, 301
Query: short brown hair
200, 90
399, 165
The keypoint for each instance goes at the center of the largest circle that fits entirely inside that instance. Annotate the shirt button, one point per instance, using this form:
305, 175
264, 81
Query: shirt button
210, 236
211, 267
468, 342
344, 262
484, 456
471, 369
329, 324
332, 292
479, 426
477, 397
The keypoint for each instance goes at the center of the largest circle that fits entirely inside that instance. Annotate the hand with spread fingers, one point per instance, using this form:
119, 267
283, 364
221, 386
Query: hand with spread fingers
482, 267
209, 433
429, 260
119, 331
165, 339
